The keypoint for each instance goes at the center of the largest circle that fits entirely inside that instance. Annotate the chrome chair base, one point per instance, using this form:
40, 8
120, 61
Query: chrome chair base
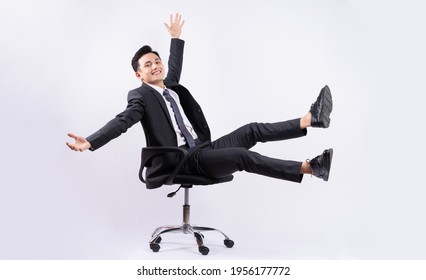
186, 228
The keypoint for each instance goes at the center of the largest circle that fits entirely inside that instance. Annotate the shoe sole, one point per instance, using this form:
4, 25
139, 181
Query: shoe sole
327, 107
328, 157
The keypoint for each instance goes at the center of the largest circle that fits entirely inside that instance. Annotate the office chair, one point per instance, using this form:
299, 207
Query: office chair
186, 182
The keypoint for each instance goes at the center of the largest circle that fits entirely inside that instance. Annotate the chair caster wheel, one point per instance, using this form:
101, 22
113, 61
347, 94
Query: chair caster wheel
203, 250
157, 240
154, 247
199, 238
228, 243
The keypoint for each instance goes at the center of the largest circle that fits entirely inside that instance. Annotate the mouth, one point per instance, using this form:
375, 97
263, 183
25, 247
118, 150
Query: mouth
156, 72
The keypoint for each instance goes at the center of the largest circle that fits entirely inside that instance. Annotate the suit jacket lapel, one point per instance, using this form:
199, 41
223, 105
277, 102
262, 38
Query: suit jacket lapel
160, 100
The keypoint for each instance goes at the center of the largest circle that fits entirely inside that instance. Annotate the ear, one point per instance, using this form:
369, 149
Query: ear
138, 75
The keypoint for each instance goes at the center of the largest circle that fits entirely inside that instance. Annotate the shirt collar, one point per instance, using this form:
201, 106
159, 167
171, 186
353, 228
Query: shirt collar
157, 88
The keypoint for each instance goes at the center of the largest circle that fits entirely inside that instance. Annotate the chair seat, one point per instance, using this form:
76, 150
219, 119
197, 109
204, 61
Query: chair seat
190, 179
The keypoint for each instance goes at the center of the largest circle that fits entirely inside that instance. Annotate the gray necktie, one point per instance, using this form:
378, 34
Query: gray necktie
188, 137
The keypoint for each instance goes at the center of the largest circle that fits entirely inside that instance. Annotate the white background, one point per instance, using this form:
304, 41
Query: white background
65, 67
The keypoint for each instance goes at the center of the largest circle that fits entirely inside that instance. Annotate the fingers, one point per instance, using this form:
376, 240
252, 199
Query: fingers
177, 20
71, 146
80, 145
77, 138
72, 135
75, 147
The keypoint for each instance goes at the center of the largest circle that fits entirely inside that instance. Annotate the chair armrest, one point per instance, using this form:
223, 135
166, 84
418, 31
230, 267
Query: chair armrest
148, 153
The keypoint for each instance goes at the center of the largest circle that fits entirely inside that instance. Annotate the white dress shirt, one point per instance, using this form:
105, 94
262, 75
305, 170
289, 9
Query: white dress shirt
181, 140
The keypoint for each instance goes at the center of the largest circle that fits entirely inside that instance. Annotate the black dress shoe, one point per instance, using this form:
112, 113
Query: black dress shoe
321, 164
321, 109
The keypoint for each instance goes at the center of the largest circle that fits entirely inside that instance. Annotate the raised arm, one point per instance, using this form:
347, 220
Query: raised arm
176, 49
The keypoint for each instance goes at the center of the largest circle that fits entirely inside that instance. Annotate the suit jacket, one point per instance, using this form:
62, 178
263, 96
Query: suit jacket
147, 106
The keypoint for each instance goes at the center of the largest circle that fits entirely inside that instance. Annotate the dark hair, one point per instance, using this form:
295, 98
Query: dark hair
141, 52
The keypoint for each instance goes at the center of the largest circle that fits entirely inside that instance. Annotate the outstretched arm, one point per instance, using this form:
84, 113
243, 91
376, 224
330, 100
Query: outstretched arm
175, 27
114, 128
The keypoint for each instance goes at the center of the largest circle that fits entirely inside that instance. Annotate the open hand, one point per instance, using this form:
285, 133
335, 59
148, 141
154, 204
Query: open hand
80, 144
175, 27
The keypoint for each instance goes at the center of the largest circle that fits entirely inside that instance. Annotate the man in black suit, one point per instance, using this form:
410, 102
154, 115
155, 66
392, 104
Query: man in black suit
170, 116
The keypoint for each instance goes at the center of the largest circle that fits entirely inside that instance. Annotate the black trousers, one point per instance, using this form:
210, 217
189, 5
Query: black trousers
231, 152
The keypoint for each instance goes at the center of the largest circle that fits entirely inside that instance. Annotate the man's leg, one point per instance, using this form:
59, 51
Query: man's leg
222, 162
248, 135
230, 153
219, 163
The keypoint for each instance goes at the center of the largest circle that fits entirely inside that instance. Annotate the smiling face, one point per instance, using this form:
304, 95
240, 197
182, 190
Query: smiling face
151, 70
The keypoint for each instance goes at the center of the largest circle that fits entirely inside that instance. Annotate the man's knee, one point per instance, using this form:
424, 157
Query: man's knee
253, 130
239, 157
